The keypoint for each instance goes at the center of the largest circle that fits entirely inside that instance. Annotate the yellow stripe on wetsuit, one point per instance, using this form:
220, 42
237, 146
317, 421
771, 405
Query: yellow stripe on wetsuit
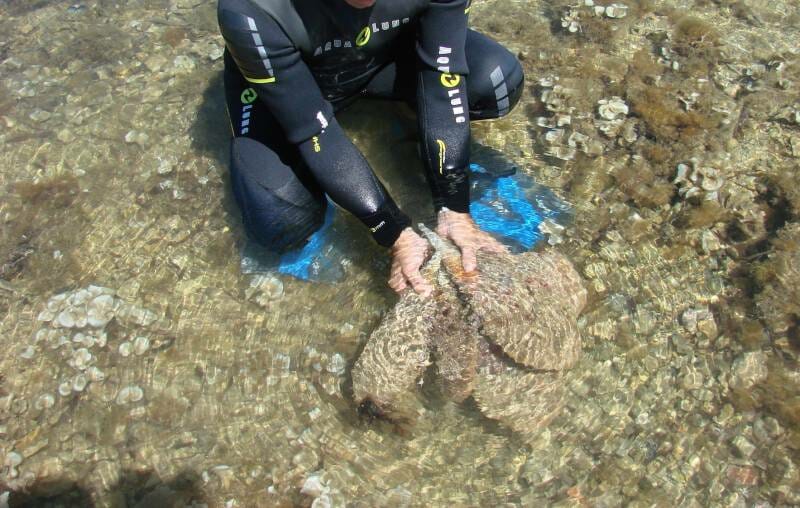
442, 148
260, 81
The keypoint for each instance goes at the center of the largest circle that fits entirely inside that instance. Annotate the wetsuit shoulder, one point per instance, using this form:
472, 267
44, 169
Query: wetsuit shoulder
253, 38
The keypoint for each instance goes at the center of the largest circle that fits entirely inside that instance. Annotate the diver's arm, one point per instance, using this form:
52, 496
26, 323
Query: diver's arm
274, 68
443, 107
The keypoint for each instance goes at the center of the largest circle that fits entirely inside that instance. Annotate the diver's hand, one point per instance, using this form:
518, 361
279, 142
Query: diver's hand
408, 253
460, 229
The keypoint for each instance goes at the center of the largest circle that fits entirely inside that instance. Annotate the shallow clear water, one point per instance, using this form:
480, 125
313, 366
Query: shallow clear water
217, 387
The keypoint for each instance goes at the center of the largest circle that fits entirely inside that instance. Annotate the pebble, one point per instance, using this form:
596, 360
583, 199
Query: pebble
748, 370
40, 116
743, 447
136, 137
27, 353
183, 63
337, 364
13, 459
616, 11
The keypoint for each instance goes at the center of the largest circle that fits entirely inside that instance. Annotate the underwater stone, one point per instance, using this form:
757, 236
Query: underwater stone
183, 63
13, 459
40, 116
337, 364
748, 370
743, 447
139, 138
553, 230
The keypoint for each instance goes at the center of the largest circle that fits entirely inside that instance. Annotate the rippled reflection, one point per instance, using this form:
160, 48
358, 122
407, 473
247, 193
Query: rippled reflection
143, 368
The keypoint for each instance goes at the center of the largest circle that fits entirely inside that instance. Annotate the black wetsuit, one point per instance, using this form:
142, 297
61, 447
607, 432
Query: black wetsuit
283, 88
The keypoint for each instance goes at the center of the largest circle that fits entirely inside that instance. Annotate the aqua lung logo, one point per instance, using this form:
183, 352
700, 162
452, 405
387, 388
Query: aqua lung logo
451, 81
334, 44
248, 97
363, 36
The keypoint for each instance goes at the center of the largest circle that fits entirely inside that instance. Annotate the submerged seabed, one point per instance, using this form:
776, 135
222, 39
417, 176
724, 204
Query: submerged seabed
190, 383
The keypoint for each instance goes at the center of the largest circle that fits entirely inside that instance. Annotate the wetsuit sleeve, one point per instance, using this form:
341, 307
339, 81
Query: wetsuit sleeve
274, 69
443, 110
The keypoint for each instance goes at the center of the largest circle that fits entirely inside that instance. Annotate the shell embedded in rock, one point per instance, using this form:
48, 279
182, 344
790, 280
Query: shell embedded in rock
129, 394
101, 310
528, 305
612, 108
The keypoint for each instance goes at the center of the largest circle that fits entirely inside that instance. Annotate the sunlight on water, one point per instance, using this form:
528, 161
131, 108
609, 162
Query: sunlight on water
146, 364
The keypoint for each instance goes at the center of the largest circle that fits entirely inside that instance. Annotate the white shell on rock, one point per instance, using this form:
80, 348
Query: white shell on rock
95, 374
101, 310
45, 401
13, 459
125, 349
141, 345
130, 394
65, 388
65, 319
56, 302
81, 358
616, 11
45, 315
612, 108
27, 353
79, 383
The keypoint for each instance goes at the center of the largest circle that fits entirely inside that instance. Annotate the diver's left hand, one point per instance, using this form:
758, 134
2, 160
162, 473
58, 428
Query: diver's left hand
460, 229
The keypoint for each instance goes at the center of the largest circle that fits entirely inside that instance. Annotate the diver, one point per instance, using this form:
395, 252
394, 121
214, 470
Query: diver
291, 64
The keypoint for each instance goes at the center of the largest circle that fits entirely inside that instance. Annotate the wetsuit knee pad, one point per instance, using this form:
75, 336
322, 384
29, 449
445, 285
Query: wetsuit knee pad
278, 211
495, 80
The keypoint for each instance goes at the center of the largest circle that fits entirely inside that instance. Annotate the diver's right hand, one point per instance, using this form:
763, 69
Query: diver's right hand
409, 252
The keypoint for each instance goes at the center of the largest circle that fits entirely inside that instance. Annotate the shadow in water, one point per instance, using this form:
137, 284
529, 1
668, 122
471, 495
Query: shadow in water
134, 490
211, 136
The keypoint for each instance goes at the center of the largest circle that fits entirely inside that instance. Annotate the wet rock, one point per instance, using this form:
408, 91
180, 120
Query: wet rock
743, 447
748, 370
